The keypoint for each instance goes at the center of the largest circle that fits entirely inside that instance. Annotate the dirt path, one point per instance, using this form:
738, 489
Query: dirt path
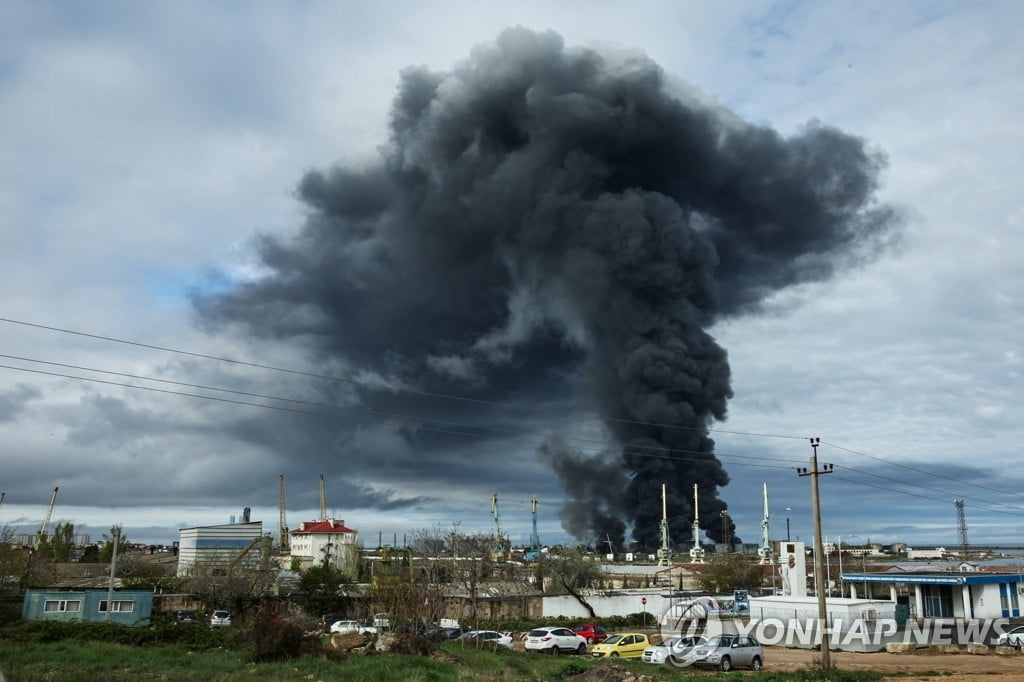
953, 667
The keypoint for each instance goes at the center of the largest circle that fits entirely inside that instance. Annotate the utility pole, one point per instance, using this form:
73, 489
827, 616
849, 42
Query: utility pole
323, 500
819, 568
113, 571
282, 522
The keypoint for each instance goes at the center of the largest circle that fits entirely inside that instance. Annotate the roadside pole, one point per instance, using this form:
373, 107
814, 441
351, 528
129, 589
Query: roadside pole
819, 567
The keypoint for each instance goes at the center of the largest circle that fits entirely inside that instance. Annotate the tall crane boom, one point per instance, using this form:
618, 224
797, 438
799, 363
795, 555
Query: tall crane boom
497, 519
283, 525
41, 537
697, 552
534, 552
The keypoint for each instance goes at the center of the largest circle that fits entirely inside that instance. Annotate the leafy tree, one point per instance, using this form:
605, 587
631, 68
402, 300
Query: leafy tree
107, 550
727, 572
321, 587
61, 542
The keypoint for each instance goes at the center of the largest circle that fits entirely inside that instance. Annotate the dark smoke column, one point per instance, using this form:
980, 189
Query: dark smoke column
547, 222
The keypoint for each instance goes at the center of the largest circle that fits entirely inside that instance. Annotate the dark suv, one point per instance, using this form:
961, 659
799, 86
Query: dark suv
592, 632
184, 616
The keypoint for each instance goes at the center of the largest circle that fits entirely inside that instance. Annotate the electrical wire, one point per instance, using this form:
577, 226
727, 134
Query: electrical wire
371, 385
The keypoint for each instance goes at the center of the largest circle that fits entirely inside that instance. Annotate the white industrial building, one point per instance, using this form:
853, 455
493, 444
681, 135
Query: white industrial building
328, 542
218, 548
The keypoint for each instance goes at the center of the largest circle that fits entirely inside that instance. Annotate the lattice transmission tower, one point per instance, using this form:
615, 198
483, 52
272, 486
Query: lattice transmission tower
961, 529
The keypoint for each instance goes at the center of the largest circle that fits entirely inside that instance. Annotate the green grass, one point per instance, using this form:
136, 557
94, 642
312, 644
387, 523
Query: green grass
95, 661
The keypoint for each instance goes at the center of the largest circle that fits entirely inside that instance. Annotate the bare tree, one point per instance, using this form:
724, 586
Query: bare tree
574, 571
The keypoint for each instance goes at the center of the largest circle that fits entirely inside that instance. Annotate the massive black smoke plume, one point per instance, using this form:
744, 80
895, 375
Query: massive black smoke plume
544, 216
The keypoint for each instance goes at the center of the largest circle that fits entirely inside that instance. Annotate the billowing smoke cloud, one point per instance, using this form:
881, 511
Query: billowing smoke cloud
546, 221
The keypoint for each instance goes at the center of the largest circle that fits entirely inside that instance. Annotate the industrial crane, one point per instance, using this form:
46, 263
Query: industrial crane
500, 554
41, 537
697, 552
665, 551
534, 552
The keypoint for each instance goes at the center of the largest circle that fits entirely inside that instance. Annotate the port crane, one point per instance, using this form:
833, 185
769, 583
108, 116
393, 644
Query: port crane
534, 552
501, 552
45, 528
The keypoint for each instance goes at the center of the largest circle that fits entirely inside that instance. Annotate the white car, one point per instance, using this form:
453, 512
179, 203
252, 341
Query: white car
220, 619
554, 640
1014, 637
353, 626
489, 636
382, 621
672, 646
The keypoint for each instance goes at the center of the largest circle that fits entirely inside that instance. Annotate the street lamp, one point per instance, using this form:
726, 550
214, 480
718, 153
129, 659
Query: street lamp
774, 556
863, 562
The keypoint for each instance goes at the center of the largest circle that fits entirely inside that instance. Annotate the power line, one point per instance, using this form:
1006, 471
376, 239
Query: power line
374, 386
923, 497
627, 449
922, 471
923, 487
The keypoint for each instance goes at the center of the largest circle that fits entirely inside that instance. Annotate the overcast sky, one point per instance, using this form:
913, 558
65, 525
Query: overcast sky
153, 151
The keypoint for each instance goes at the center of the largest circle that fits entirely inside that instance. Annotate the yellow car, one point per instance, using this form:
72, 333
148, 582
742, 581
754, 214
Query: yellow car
625, 645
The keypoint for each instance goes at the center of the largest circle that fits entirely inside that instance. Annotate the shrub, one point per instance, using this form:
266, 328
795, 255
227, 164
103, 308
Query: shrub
274, 638
570, 669
415, 645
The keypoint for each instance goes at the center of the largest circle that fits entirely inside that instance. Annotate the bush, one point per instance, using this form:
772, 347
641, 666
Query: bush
274, 638
570, 669
415, 645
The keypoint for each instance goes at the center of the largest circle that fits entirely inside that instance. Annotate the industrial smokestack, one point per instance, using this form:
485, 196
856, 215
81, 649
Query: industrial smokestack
553, 221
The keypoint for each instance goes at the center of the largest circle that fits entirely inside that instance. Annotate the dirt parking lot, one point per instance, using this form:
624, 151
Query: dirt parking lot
952, 667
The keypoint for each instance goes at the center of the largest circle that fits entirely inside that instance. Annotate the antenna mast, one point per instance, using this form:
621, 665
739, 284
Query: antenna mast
697, 552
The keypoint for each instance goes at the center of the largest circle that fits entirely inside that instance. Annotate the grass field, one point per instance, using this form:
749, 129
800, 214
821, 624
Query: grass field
91, 661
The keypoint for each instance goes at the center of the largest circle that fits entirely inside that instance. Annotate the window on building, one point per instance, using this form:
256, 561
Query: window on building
62, 605
118, 606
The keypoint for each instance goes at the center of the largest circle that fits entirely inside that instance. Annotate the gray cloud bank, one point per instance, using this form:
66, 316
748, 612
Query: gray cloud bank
557, 226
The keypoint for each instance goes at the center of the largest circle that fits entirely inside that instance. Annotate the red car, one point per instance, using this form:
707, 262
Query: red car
592, 632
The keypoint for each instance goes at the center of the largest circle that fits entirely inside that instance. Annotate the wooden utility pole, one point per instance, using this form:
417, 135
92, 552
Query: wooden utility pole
819, 564
113, 572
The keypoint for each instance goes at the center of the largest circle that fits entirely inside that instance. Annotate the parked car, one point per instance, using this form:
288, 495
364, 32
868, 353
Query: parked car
450, 632
670, 647
1014, 637
412, 627
382, 621
592, 632
727, 652
554, 640
184, 616
625, 645
353, 626
491, 637
220, 619
329, 619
